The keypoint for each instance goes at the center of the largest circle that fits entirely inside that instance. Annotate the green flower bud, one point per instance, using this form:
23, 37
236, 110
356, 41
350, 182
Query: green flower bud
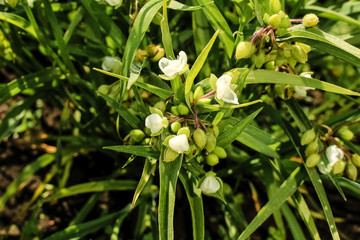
137, 135
199, 92
158, 55
292, 62
339, 167
280, 60
299, 54
244, 50
351, 171
184, 130
175, 126
12, 3
210, 142
216, 130
220, 152
355, 160
200, 138
170, 155
275, 6
258, 59
141, 55
174, 110
182, 109
266, 18
270, 65
346, 133
212, 159
275, 20
200, 159
304, 47
313, 160
312, 148
203, 101
308, 137
161, 105
146, 141
285, 22
310, 20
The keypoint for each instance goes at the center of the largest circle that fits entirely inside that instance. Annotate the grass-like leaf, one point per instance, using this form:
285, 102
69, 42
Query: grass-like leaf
142, 151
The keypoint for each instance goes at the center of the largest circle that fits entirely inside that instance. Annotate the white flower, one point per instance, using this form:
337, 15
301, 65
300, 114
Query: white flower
108, 63
113, 2
223, 90
31, 3
210, 185
154, 122
333, 154
301, 90
173, 67
179, 143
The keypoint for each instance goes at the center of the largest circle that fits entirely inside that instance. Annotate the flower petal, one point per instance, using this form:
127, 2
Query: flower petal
179, 143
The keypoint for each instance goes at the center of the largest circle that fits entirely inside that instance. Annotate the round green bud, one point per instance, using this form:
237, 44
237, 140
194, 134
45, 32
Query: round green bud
183, 109
212, 159
170, 155
203, 101
161, 105
346, 133
275, 20
137, 135
312, 160
310, 20
158, 55
199, 92
146, 141
351, 171
220, 152
200, 138
285, 22
210, 142
339, 167
308, 137
312, 148
270, 65
275, 6
244, 50
355, 160
175, 127
174, 110
184, 130
152, 49
200, 159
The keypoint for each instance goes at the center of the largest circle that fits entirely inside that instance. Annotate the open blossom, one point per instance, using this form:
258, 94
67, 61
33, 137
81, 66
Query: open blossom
179, 143
301, 90
173, 67
333, 154
210, 185
154, 122
224, 91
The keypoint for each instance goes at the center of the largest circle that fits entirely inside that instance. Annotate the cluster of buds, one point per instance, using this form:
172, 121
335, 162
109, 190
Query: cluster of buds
263, 48
152, 52
339, 159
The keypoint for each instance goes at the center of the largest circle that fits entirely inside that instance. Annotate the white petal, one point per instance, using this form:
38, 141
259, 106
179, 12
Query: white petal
334, 154
223, 90
182, 59
113, 2
301, 90
154, 122
210, 185
108, 63
172, 67
179, 143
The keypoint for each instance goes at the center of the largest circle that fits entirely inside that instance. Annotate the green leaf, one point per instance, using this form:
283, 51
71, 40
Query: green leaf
324, 42
267, 76
218, 22
169, 172
28, 171
149, 169
99, 186
18, 21
262, 7
142, 151
279, 197
228, 136
194, 196
198, 64
175, 5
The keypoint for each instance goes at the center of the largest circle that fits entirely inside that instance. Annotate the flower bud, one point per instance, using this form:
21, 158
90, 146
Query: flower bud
184, 130
203, 101
114, 2
200, 138
175, 126
161, 105
170, 155
310, 20
146, 141
346, 133
244, 50
258, 59
275, 6
214, 130
270, 65
355, 160
220, 152
339, 167
210, 185
351, 171
12, 3
285, 22
299, 54
141, 55
137, 135
158, 55
308, 137
275, 20
280, 60
200, 159
152, 49
212, 159
312, 148
210, 142
266, 18
199, 92
313, 160
182, 109
174, 110
179, 144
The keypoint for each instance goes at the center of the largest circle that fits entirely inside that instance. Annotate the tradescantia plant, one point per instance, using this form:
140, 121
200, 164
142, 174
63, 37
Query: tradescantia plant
212, 116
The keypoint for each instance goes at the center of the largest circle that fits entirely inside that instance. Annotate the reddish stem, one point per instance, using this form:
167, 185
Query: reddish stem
296, 20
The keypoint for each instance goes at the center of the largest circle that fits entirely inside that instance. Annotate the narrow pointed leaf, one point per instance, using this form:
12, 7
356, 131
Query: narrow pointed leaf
142, 151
